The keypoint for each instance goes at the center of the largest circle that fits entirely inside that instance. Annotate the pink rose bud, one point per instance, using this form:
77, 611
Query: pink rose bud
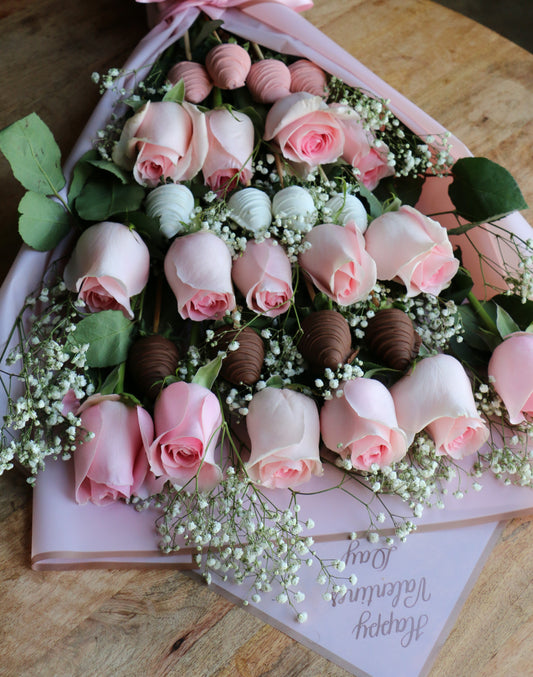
436, 395
338, 263
268, 80
110, 264
413, 248
284, 430
362, 151
187, 421
362, 426
306, 129
263, 275
195, 78
163, 140
231, 143
113, 463
511, 372
228, 65
198, 270
306, 76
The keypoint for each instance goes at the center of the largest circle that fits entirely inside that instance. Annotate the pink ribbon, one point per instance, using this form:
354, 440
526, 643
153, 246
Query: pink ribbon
167, 8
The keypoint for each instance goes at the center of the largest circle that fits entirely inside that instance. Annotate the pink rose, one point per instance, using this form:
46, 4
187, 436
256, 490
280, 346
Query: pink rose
110, 264
263, 275
362, 426
198, 270
113, 464
163, 140
511, 372
414, 248
306, 129
361, 150
231, 143
338, 263
187, 421
436, 395
284, 430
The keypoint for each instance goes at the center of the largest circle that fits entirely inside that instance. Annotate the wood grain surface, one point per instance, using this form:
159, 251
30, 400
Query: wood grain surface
157, 623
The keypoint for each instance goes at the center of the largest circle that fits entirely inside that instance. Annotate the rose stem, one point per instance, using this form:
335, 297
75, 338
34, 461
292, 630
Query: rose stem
187, 45
310, 289
259, 54
157, 308
482, 314
279, 169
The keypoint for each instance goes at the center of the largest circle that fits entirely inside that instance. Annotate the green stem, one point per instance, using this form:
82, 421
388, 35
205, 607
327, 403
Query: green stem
217, 98
482, 314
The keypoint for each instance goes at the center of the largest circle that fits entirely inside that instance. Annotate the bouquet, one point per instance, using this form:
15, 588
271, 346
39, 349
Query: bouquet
252, 296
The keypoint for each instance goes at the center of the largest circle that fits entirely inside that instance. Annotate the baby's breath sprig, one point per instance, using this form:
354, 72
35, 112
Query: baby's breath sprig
509, 457
514, 265
237, 533
409, 154
49, 376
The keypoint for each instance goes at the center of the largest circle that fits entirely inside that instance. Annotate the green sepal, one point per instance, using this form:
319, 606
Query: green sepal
207, 374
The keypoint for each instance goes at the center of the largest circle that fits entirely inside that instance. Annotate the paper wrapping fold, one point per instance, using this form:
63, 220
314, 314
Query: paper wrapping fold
65, 534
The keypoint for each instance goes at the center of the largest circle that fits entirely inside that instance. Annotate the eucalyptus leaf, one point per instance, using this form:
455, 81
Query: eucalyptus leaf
483, 191
99, 200
108, 335
33, 154
43, 223
206, 375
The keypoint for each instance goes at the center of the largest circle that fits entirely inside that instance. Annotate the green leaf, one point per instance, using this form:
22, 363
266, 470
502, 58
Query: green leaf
43, 222
520, 310
33, 154
99, 200
483, 191
206, 375
207, 28
108, 335
112, 168
80, 174
374, 205
459, 288
406, 188
505, 323
275, 382
177, 93
114, 382
322, 302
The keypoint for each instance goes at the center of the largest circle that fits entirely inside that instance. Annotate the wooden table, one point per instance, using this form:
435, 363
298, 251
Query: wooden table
474, 82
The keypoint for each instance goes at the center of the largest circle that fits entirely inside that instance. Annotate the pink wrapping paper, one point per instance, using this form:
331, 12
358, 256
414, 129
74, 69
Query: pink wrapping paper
259, 22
